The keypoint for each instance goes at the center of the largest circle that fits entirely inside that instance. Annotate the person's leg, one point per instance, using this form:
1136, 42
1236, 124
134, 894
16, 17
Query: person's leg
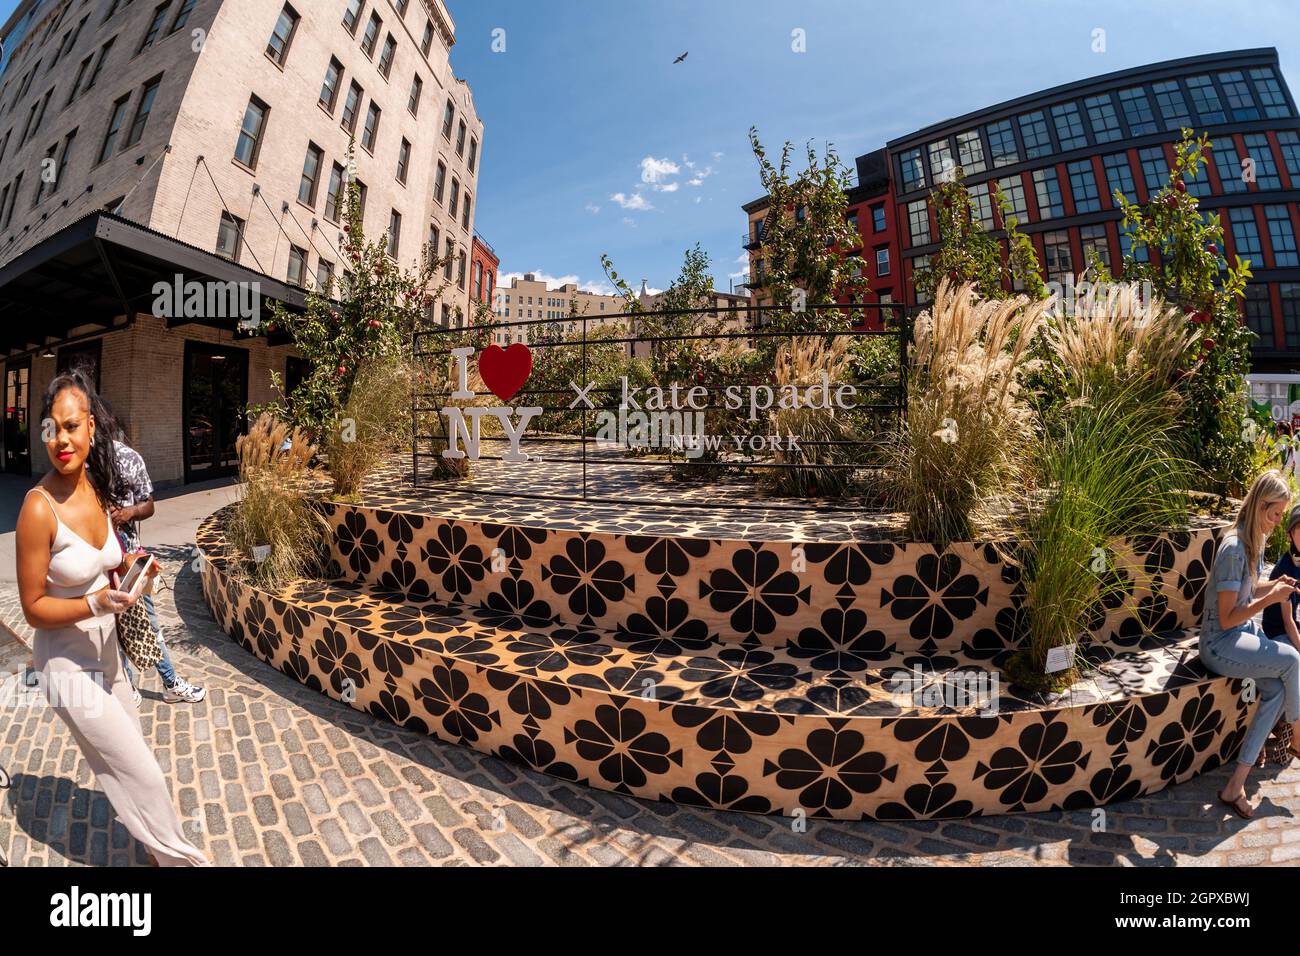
126, 669
1245, 652
165, 669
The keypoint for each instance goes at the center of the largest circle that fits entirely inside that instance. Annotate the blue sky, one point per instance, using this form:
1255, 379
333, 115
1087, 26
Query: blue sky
586, 93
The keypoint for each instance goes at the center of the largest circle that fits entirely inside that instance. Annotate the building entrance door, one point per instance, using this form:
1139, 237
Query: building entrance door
17, 440
215, 409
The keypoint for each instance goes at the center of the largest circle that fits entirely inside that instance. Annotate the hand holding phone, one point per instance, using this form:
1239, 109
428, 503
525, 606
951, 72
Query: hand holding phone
137, 575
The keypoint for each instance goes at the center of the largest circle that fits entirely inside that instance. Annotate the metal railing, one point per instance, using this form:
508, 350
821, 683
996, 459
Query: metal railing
565, 420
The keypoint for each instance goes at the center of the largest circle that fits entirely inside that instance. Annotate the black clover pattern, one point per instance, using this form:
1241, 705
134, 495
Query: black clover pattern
833, 765
1044, 758
587, 578
625, 752
754, 590
936, 597
453, 560
357, 542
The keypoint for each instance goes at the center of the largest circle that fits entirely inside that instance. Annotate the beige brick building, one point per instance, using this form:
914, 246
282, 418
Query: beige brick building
218, 133
528, 299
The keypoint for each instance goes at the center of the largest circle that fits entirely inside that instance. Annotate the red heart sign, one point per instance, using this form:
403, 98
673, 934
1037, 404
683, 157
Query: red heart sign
504, 371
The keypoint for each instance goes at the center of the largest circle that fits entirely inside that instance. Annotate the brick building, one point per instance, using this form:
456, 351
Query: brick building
1060, 155
484, 267
207, 141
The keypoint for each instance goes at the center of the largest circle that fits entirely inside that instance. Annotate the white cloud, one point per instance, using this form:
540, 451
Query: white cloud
743, 271
717, 157
695, 182
592, 208
629, 221
635, 201
654, 171
698, 200
668, 187
597, 287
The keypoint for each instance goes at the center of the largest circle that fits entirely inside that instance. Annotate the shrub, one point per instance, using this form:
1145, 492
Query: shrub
373, 424
802, 362
968, 431
275, 509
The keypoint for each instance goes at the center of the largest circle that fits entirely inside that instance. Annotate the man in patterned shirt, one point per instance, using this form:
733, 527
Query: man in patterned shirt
136, 506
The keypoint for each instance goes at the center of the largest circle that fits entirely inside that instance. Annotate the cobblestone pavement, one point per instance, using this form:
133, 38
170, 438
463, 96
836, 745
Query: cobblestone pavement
266, 772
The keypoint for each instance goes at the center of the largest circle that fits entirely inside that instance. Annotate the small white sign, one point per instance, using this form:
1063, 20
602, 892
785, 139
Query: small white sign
261, 552
1061, 658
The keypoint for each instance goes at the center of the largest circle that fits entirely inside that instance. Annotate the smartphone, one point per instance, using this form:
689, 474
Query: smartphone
140, 567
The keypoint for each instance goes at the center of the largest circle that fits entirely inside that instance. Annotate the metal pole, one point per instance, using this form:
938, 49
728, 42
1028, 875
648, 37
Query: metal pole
584, 407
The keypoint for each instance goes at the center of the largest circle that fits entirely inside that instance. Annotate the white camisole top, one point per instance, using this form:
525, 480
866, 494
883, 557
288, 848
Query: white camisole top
77, 567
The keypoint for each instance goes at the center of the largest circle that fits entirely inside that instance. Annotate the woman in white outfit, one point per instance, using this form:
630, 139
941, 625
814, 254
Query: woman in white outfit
66, 549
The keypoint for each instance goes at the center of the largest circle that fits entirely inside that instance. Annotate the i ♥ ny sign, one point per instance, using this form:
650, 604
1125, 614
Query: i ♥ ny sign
504, 371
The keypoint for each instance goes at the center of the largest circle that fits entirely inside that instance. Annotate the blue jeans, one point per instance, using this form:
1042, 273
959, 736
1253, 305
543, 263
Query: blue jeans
165, 669
1244, 652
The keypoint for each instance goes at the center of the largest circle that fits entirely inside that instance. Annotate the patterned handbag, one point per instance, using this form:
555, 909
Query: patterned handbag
1277, 749
137, 637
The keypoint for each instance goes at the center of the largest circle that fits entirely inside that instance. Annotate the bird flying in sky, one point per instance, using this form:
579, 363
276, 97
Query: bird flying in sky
682, 58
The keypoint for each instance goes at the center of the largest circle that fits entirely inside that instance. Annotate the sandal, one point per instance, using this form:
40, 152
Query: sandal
1292, 751
1235, 805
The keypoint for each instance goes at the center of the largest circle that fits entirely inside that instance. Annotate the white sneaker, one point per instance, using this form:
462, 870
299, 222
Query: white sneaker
183, 690
135, 692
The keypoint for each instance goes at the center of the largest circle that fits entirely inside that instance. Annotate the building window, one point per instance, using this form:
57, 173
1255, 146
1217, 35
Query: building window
918, 218
1155, 168
1289, 142
460, 270
1013, 193
1002, 143
878, 218
941, 164
371, 131
1245, 234
371, 36
1282, 235
1173, 108
352, 14
115, 121
970, 152
310, 175
432, 250
478, 281
982, 203
1290, 293
911, 170
1033, 130
413, 101
351, 107
142, 111
1137, 110
63, 161
386, 56
1240, 101
473, 155
401, 7
324, 274
1104, 119
297, 266
1119, 176
394, 233
99, 65
229, 236
454, 204
439, 182
882, 261
465, 213
1227, 162
919, 265
1069, 126
250, 133
1205, 98
460, 139
277, 48
334, 198
1130, 249
182, 15
448, 118
154, 29
449, 258
361, 199
1056, 256
329, 91
1270, 93
1083, 186
426, 41
40, 182
403, 160
1096, 247
1258, 149
1047, 189
1258, 315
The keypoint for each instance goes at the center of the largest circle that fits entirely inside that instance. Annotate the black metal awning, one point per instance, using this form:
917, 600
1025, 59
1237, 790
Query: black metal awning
102, 267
